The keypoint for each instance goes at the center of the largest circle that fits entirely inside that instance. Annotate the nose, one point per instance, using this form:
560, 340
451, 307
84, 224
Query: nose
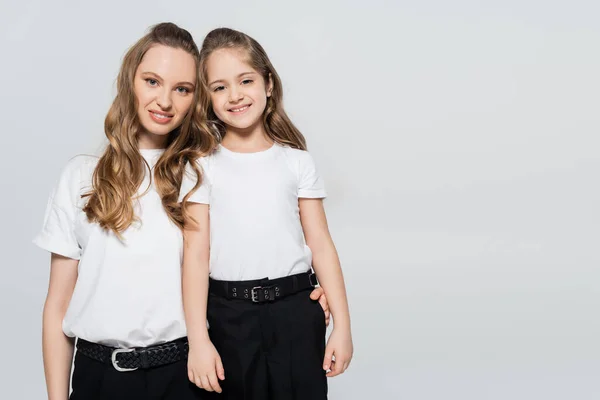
235, 95
163, 99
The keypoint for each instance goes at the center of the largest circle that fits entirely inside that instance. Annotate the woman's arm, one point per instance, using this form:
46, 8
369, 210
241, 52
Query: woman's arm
327, 266
57, 348
204, 363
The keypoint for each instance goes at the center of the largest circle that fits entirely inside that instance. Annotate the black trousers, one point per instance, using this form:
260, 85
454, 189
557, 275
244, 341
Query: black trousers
270, 350
93, 380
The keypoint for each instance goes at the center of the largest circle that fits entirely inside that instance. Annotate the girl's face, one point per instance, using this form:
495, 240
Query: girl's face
164, 84
237, 91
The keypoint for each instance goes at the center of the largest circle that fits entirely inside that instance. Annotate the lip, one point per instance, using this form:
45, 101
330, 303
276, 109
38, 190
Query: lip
247, 107
160, 117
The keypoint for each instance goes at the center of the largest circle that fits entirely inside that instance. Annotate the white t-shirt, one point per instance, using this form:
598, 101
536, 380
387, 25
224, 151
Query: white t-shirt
128, 293
254, 215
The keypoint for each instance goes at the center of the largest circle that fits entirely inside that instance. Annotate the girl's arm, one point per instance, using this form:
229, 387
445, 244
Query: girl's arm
327, 266
57, 348
204, 363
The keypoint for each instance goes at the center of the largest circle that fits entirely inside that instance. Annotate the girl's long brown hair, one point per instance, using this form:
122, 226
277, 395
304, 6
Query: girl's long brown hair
121, 169
277, 124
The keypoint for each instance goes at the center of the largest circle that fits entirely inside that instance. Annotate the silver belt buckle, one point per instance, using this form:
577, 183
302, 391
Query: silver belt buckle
254, 294
113, 358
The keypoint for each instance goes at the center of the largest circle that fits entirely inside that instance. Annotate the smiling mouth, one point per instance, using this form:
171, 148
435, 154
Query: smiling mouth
161, 116
239, 109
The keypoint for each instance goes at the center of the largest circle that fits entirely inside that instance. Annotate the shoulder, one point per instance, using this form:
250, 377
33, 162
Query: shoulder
205, 162
81, 163
298, 156
292, 153
75, 179
208, 160
299, 159
78, 169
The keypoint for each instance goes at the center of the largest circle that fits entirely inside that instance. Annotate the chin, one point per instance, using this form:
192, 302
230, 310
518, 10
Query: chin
161, 133
160, 130
243, 125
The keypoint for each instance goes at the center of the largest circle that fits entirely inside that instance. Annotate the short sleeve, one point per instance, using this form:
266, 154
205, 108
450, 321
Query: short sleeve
202, 194
310, 183
58, 230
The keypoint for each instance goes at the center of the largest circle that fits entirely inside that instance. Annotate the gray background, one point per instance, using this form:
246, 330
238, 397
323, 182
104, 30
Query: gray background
459, 145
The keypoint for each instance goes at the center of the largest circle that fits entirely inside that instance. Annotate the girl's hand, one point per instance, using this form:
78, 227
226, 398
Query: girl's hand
205, 366
319, 294
338, 352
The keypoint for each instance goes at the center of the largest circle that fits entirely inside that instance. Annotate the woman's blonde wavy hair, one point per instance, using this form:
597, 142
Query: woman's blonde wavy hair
121, 169
277, 124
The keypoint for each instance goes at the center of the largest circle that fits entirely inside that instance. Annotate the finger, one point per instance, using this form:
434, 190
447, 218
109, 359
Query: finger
198, 382
341, 365
327, 360
333, 371
346, 365
206, 383
317, 293
220, 369
214, 382
191, 375
336, 365
323, 302
327, 316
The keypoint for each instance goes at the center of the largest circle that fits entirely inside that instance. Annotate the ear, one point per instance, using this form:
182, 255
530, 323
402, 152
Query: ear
270, 85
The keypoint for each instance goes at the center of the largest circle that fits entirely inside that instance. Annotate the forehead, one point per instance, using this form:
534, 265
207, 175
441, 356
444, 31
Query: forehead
227, 63
170, 63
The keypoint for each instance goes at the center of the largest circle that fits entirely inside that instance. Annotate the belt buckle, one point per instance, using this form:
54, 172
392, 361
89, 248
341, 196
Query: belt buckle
269, 294
113, 358
312, 278
255, 294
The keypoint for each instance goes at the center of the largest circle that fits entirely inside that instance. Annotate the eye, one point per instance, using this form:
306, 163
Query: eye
247, 81
218, 88
151, 82
182, 90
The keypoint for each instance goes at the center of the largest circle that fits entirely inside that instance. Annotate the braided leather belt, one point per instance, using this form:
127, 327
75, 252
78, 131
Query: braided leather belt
136, 358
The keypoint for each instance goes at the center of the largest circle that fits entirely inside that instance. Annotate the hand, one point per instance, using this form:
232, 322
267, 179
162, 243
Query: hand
204, 366
338, 352
319, 294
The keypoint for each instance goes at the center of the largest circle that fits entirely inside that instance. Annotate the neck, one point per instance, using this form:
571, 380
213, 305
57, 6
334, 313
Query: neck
150, 141
251, 139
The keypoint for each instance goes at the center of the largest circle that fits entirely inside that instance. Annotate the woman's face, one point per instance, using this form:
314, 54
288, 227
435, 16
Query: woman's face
164, 86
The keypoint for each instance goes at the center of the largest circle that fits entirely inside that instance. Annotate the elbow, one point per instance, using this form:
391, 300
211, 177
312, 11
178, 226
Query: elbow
55, 309
320, 247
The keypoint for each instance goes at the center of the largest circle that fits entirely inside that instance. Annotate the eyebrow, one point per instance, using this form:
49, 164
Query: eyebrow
160, 78
239, 76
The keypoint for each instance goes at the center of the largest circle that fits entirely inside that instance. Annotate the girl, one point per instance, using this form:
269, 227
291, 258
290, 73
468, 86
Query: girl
113, 226
267, 228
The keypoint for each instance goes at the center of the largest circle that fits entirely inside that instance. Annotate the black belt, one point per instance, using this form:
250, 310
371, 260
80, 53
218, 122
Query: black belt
135, 358
263, 290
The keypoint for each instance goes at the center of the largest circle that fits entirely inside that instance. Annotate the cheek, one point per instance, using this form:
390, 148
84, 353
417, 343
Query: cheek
260, 96
141, 94
184, 104
217, 104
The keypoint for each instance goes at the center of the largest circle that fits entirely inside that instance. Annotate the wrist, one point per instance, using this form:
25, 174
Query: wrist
199, 337
341, 324
58, 396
